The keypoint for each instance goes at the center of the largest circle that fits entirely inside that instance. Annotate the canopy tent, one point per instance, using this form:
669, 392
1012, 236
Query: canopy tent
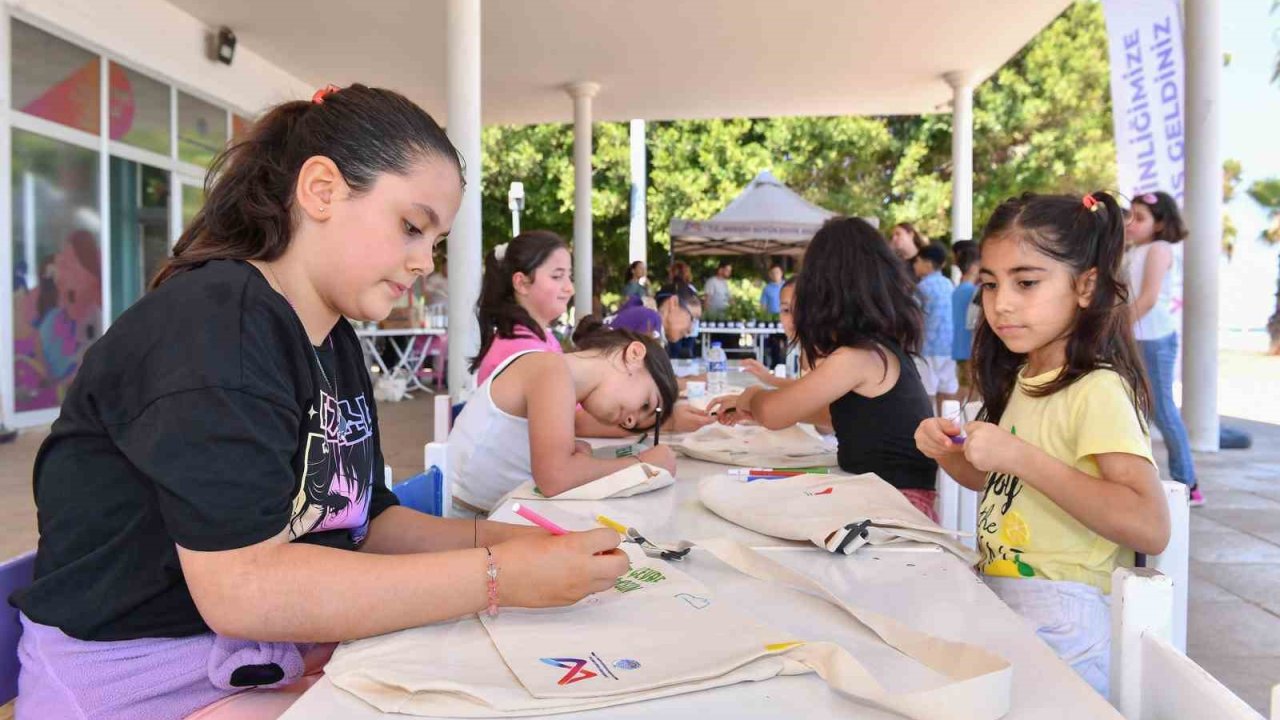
767, 218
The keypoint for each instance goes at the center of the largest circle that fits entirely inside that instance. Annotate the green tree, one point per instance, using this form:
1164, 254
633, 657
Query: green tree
1231, 171
1267, 194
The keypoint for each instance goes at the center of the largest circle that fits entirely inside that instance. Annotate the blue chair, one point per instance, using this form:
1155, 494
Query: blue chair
15, 574
423, 492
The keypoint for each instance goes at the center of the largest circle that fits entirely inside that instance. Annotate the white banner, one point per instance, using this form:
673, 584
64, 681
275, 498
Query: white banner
1147, 91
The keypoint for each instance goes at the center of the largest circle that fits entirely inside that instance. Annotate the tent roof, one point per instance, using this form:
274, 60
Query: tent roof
767, 217
654, 59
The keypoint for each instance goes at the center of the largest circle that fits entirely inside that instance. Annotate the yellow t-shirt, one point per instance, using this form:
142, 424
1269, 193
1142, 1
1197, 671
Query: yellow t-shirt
1022, 533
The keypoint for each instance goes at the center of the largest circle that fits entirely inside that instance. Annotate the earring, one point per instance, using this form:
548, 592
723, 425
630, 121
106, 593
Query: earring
322, 208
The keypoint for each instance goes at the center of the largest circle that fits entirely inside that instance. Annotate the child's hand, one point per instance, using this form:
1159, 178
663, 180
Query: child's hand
727, 410
937, 438
758, 370
687, 418
551, 571
662, 456
989, 448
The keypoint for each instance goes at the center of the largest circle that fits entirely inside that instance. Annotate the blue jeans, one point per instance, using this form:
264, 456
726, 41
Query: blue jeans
1159, 356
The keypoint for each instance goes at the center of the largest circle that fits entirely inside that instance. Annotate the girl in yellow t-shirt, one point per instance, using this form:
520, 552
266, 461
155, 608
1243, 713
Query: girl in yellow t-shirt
1061, 449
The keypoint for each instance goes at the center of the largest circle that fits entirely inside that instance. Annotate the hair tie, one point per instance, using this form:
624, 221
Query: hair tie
1149, 199
323, 93
500, 252
1091, 203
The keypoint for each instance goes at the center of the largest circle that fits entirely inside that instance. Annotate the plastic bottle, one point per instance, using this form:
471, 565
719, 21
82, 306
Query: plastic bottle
717, 370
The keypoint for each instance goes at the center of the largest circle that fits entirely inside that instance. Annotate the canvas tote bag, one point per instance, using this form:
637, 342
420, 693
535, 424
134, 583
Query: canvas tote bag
755, 446
632, 643
839, 513
631, 480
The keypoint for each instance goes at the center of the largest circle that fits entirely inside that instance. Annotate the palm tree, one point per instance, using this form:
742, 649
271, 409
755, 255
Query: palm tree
1267, 194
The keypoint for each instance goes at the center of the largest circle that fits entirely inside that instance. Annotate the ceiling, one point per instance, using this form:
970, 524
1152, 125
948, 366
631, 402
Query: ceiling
654, 59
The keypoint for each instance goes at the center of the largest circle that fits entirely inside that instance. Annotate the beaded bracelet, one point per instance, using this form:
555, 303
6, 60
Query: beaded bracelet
491, 571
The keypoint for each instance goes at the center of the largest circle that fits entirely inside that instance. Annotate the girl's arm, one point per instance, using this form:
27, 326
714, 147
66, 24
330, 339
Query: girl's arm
584, 425
809, 398
399, 530
274, 590
1159, 258
935, 439
549, 404
1125, 505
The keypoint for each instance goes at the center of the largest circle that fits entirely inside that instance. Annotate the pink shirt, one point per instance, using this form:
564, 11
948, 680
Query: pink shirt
503, 348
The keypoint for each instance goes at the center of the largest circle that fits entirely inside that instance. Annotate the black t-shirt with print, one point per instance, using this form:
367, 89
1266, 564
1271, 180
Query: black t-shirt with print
200, 418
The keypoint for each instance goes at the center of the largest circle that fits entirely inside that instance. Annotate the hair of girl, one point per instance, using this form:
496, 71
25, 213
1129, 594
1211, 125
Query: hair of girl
790, 282
497, 310
681, 272
593, 335
854, 292
685, 297
248, 210
1065, 229
1164, 210
916, 237
631, 269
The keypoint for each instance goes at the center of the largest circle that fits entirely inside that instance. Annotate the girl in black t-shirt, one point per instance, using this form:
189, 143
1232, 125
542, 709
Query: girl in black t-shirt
210, 499
857, 324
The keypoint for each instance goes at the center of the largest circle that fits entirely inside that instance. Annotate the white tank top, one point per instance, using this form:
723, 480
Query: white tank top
1158, 322
488, 448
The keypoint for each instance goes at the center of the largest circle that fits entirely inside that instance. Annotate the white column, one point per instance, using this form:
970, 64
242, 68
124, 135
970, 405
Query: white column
463, 94
1204, 215
582, 93
639, 245
961, 155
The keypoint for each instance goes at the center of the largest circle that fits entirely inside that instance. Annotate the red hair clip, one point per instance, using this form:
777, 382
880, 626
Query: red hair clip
1091, 203
323, 93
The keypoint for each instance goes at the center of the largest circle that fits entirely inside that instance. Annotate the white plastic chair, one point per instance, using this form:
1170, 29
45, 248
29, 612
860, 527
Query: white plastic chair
1150, 678
1174, 562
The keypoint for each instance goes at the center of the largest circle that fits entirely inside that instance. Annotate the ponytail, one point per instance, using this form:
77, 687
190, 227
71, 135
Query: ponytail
248, 210
497, 311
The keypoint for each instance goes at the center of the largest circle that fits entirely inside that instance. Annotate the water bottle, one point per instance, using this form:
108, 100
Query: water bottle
717, 370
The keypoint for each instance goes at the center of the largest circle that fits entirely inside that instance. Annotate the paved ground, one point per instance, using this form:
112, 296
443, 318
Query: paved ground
1234, 621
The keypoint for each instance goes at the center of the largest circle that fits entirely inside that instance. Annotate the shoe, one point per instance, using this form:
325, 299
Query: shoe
7, 435
1196, 498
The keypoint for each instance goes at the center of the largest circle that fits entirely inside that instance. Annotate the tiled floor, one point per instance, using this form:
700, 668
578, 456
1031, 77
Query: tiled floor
1234, 623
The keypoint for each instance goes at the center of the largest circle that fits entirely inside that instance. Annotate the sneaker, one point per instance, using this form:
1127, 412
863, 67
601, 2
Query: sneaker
1196, 498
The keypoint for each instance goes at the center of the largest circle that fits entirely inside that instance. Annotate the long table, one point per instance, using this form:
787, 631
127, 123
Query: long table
758, 337
930, 589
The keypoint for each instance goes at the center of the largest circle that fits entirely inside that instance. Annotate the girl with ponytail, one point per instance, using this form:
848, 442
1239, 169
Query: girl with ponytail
215, 475
1060, 450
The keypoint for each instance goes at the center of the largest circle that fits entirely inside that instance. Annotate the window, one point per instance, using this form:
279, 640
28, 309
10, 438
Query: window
139, 110
54, 79
57, 301
139, 229
202, 130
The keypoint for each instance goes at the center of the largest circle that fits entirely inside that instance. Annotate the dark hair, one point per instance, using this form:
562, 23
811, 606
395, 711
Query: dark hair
680, 272
934, 254
1164, 210
789, 282
631, 269
916, 237
684, 295
1064, 229
591, 334
497, 310
724, 264
248, 210
854, 292
966, 254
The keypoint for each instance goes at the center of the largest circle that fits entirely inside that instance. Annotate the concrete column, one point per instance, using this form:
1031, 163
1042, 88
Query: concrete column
463, 96
1204, 214
582, 93
961, 155
639, 246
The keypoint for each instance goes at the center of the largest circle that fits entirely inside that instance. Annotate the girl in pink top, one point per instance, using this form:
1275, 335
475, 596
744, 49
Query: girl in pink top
527, 285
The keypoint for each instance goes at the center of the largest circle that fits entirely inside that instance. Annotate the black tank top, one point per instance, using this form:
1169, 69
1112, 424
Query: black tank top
877, 434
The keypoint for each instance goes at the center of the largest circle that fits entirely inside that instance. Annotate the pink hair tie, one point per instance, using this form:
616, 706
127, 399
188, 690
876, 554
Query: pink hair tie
323, 93
1149, 199
1091, 203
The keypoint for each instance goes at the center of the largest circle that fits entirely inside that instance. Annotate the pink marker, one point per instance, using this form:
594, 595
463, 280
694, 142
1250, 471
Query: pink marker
538, 520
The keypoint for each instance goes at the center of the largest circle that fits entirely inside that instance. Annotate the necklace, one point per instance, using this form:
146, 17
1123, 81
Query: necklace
314, 354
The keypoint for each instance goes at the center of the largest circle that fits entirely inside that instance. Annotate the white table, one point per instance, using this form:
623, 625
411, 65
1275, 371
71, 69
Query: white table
925, 587
403, 340
758, 337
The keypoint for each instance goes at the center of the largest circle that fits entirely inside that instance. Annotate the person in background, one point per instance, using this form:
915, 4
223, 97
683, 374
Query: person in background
964, 313
786, 298
681, 277
1153, 228
770, 296
906, 241
637, 281
937, 368
717, 289
669, 324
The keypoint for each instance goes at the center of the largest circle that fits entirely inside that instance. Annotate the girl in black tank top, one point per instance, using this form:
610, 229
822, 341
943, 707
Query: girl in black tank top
854, 309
